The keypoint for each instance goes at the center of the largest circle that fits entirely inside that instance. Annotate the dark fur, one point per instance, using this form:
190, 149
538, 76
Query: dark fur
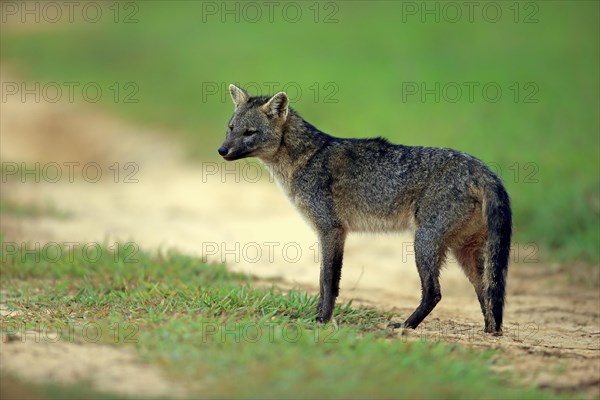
452, 200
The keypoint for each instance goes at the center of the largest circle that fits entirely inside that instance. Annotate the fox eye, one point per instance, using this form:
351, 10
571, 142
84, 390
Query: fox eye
249, 132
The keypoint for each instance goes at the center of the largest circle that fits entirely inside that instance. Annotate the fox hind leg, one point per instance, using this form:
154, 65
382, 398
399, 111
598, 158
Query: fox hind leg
429, 255
470, 256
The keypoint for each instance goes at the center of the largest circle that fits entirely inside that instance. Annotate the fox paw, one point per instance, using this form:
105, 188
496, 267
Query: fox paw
323, 319
402, 326
493, 332
397, 325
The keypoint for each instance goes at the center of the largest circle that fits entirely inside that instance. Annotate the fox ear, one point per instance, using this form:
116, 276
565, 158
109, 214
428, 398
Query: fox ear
238, 95
277, 106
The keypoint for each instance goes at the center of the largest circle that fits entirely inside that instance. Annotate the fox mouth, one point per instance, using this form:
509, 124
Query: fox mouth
231, 156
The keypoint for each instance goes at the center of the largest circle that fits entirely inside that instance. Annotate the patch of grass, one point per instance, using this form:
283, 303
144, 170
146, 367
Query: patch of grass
210, 328
541, 135
14, 173
14, 388
28, 210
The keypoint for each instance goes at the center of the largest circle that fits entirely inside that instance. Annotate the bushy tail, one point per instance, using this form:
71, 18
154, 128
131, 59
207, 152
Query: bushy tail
499, 223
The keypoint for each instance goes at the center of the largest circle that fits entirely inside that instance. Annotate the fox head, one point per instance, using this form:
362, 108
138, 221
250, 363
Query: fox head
255, 129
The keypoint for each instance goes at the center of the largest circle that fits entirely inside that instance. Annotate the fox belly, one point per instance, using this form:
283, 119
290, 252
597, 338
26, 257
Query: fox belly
355, 219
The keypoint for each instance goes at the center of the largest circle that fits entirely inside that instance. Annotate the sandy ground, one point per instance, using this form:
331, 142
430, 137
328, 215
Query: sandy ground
232, 212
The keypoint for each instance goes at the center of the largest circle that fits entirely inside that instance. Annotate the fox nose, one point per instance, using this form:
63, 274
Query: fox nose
223, 150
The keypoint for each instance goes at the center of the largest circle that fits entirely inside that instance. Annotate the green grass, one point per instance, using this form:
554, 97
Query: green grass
218, 336
28, 210
10, 176
15, 388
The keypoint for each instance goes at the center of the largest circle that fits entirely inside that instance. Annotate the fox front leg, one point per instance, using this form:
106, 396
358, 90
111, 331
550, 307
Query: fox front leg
332, 251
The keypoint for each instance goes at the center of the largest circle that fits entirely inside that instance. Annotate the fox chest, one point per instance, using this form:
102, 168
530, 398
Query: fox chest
301, 198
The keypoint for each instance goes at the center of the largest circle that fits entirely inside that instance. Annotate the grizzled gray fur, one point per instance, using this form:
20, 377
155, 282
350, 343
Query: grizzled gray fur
451, 200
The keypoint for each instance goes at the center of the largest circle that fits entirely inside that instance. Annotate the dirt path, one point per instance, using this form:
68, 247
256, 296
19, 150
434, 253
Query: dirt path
222, 211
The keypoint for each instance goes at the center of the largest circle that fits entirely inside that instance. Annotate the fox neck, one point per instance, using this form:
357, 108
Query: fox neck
299, 142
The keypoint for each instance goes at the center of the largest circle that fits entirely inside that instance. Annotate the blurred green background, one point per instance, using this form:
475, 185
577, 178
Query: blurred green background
352, 68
